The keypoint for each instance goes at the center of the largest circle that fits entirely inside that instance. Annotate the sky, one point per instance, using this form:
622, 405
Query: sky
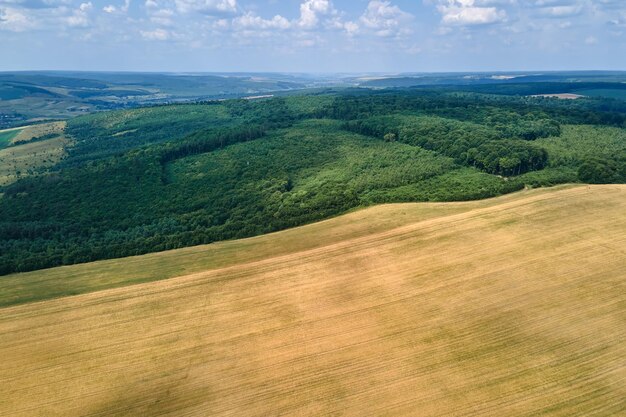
314, 36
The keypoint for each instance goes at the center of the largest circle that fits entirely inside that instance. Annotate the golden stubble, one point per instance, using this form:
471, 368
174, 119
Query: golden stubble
516, 307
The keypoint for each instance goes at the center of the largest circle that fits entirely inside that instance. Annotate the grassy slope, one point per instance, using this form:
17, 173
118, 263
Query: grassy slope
39, 130
509, 306
579, 142
6, 136
95, 276
27, 156
324, 161
30, 155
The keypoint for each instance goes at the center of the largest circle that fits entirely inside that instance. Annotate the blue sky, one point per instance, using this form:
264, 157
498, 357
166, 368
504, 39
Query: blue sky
313, 35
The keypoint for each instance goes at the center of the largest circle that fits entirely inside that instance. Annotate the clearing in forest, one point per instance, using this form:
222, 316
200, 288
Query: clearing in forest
31, 149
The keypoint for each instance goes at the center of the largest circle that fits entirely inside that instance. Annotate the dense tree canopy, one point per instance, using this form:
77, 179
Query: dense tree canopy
163, 177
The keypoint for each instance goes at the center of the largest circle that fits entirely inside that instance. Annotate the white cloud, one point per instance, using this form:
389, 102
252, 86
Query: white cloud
113, 9
15, 20
251, 21
306, 43
470, 12
313, 15
163, 17
561, 11
54, 15
319, 18
221, 24
385, 19
591, 40
35, 4
559, 8
312, 10
351, 28
156, 35
80, 16
210, 7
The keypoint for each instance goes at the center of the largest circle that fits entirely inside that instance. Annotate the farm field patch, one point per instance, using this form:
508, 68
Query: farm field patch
39, 131
509, 306
24, 159
563, 96
7, 136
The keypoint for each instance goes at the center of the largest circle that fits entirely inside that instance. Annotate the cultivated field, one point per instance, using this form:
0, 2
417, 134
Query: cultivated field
20, 161
7, 136
505, 307
36, 131
563, 96
34, 147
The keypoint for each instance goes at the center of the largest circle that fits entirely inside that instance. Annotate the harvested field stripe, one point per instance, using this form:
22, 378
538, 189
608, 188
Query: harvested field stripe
78, 279
513, 307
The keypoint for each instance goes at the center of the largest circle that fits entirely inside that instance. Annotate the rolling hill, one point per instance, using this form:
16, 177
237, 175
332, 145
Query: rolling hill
509, 306
128, 182
27, 97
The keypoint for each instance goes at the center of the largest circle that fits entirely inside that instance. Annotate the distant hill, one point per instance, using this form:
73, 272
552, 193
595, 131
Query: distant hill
30, 96
592, 79
33, 96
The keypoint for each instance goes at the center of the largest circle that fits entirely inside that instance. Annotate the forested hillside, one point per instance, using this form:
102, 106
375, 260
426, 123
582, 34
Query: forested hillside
163, 177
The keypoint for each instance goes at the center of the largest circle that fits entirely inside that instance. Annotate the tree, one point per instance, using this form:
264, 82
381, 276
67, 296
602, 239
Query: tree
508, 165
598, 171
390, 137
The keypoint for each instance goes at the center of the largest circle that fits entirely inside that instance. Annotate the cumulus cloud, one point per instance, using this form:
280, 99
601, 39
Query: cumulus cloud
80, 16
555, 8
351, 28
210, 7
314, 14
470, 12
156, 35
115, 9
385, 19
311, 11
15, 20
163, 17
561, 11
252, 21
317, 19
34, 4
610, 4
58, 15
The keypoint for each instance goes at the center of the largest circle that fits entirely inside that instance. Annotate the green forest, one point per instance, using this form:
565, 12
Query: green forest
168, 176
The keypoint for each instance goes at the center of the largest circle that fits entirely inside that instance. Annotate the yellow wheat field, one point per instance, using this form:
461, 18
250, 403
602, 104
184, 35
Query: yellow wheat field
511, 307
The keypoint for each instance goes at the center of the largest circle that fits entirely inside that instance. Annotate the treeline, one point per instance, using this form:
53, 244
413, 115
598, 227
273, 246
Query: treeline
513, 88
101, 135
207, 141
259, 119
468, 143
165, 177
477, 108
596, 170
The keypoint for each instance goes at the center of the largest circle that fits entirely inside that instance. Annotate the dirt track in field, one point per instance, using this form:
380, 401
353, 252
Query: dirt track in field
514, 308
